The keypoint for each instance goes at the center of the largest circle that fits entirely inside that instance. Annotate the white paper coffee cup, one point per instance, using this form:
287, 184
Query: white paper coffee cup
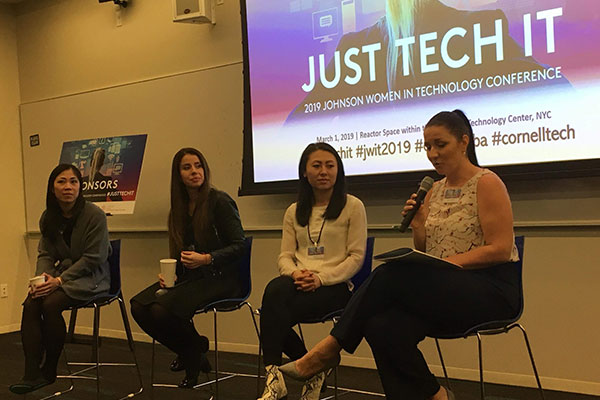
167, 269
37, 280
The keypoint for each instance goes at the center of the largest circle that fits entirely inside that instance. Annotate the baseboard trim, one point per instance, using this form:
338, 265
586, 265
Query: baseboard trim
504, 378
10, 328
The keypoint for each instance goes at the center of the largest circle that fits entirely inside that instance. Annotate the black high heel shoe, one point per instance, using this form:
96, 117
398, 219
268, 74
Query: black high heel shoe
177, 365
191, 377
188, 382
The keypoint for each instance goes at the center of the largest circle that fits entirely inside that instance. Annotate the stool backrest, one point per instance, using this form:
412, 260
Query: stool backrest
520, 243
114, 262
365, 270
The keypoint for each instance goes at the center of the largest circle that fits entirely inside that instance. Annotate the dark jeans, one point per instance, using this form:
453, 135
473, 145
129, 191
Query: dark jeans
283, 307
398, 305
43, 331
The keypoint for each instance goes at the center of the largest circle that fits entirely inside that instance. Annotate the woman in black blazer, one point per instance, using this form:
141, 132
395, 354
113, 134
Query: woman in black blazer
207, 239
72, 256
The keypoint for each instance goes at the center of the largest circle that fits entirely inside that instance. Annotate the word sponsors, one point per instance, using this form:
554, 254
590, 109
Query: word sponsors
543, 134
438, 89
101, 185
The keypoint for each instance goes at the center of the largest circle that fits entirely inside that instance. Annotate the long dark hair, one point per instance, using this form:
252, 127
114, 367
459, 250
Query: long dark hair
306, 197
458, 124
52, 221
180, 200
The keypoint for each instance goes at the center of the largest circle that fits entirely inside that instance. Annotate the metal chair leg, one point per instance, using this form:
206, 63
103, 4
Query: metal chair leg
72, 322
259, 347
301, 334
258, 368
439, 349
479, 346
335, 383
216, 357
97, 348
152, 369
130, 342
537, 377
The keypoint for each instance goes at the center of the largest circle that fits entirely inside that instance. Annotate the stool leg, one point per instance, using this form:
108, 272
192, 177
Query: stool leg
130, 342
96, 347
216, 357
259, 347
152, 369
480, 366
258, 369
537, 377
335, 383
72, 322
439, 349
301, 334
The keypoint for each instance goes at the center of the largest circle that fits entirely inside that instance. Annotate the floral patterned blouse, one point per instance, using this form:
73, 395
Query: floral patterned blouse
453, 226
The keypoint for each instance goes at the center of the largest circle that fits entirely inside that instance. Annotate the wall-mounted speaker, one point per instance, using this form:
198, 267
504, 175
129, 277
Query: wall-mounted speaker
194, 11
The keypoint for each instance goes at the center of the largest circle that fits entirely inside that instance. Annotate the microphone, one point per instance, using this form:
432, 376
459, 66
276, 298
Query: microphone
426, 184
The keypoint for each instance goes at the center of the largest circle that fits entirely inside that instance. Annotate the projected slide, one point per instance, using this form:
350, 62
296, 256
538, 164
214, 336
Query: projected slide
366, 75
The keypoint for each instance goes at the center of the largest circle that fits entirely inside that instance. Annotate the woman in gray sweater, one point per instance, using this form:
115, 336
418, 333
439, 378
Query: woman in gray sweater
72, 256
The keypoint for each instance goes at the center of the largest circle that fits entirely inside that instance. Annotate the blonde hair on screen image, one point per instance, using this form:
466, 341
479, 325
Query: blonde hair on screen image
400, 20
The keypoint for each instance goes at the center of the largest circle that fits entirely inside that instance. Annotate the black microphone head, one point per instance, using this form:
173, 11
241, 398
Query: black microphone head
426, 184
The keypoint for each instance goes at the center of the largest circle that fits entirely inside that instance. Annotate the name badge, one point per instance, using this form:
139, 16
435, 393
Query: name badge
452, 195
316, 251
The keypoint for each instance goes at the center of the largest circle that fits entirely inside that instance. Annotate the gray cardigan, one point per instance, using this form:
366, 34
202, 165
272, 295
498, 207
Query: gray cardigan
83, 267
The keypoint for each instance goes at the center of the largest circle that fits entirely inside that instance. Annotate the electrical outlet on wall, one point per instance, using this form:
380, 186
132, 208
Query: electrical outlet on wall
4, 290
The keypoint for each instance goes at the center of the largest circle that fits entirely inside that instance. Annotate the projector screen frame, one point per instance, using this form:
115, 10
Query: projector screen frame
509, 173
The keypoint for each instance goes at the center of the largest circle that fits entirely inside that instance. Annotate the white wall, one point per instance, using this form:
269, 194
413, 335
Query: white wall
14, 267
73, 46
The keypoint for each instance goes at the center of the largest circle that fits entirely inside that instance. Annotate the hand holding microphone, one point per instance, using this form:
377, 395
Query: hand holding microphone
414, 203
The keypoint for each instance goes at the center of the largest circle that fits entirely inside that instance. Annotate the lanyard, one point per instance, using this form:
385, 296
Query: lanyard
315, 243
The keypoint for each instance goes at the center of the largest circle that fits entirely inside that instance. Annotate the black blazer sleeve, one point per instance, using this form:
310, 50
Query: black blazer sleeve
228, 228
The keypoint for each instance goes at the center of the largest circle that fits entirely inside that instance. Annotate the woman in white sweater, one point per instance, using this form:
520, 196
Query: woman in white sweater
322, 247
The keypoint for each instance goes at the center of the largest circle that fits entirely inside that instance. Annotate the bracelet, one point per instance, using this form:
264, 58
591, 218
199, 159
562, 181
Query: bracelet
212, 260
60, 281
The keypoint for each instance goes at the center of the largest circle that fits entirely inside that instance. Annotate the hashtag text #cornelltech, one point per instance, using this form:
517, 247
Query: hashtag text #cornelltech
543, 134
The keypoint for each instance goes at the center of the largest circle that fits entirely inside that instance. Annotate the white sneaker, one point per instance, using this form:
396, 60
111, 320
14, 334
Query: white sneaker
275, 386
312, 388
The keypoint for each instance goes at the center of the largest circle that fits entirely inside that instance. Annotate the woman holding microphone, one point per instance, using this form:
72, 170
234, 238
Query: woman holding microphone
322, 247
207, 240
72, 258
466, 219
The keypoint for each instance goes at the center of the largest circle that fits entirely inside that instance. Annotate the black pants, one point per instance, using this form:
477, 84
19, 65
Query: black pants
177, 334
399, 305
43, 332
283, 307
168, 318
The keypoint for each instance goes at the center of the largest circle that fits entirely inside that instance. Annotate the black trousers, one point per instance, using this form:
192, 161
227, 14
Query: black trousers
43, 332
398, 305
283, 307
168, 317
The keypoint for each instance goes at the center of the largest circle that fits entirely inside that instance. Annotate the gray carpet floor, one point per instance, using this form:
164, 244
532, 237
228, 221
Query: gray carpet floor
117, 382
